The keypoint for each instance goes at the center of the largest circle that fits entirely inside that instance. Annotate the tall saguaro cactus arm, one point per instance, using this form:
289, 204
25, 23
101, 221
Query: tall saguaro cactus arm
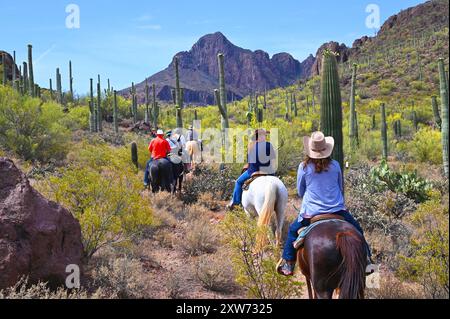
353, 134
444, 111
178, 96
331, 105
223, 93
436, 115
30, 70
116, 114
70, 79
384, 131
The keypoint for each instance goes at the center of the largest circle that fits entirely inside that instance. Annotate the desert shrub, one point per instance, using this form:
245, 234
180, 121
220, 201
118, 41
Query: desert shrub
201, 237
374, 208
177, 284
386, 87
168, 208
103, 193
392, 288
124, 276
77, 118
32, 130
427, 146
208, 179
407, 183
255, 271
428, 262
215, 273
23, 290
208, 201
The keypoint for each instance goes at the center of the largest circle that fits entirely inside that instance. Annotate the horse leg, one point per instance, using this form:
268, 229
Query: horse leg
310, 292
180, 183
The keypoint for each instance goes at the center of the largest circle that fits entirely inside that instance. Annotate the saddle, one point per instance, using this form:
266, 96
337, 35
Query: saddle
315, 221
254, 176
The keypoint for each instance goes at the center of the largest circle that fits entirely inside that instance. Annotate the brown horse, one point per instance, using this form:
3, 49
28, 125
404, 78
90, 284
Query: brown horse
333, 257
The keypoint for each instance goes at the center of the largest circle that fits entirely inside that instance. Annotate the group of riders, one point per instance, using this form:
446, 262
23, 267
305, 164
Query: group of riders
319, 181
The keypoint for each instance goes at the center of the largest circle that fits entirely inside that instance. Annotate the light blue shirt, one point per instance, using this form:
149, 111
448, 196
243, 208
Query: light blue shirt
321, 193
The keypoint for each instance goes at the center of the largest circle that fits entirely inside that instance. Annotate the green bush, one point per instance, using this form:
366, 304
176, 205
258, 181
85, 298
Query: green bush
102, 190
32, 130
428, 264
255, 270
427, 146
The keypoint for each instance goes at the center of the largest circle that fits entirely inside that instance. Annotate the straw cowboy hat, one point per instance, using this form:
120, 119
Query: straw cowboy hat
318, 146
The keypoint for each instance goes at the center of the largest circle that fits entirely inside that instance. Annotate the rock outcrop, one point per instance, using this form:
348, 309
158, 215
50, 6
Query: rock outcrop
9, 62
38, 238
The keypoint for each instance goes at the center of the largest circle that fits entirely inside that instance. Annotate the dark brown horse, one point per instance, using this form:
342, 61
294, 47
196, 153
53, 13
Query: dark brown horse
333, 257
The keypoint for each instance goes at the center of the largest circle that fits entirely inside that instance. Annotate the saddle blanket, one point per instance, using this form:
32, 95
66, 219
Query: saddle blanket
303, 232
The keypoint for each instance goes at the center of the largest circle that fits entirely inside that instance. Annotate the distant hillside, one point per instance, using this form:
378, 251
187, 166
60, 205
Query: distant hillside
245, 71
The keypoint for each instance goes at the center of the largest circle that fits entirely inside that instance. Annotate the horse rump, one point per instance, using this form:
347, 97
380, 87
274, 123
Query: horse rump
351, 246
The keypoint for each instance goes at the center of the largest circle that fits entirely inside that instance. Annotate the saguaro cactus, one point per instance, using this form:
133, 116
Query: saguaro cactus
155, 108
147, 103
51, 88
331, 105
294, 100
134, 155
116, 114
354, 139
99, 106
25, 78
414, 120
70, 79
437, 116
286, 105
30, 72
223, 93
93, 118
14, 75
178, 96
384, 131
444, 111
58, 86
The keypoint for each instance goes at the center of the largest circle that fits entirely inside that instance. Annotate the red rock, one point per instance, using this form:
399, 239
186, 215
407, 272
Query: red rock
38, 238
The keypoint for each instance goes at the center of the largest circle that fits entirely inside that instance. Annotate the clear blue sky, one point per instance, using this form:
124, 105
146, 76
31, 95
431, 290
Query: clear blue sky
129, 40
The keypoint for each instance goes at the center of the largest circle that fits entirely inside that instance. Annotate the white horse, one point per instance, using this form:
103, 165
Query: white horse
193, 150
266, 195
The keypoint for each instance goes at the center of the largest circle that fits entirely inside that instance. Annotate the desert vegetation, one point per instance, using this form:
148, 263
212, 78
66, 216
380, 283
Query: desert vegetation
393, 145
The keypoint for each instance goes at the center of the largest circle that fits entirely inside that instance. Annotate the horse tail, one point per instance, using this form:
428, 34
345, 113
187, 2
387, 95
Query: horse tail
270, 197
352, 268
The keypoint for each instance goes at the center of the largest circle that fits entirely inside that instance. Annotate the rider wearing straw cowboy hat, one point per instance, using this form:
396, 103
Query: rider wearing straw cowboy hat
320, 185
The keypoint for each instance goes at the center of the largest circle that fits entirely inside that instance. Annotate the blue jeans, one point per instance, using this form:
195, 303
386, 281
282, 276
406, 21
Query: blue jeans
290, 253
147, 172
237, 194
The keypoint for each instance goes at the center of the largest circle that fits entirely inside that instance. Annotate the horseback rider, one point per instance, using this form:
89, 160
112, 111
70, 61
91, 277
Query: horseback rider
159, 149
259, 158
174, 144
320, 185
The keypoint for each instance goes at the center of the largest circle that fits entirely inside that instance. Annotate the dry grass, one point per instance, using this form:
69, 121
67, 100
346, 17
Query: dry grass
201, 237
123, 275
392, 288
215, 272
